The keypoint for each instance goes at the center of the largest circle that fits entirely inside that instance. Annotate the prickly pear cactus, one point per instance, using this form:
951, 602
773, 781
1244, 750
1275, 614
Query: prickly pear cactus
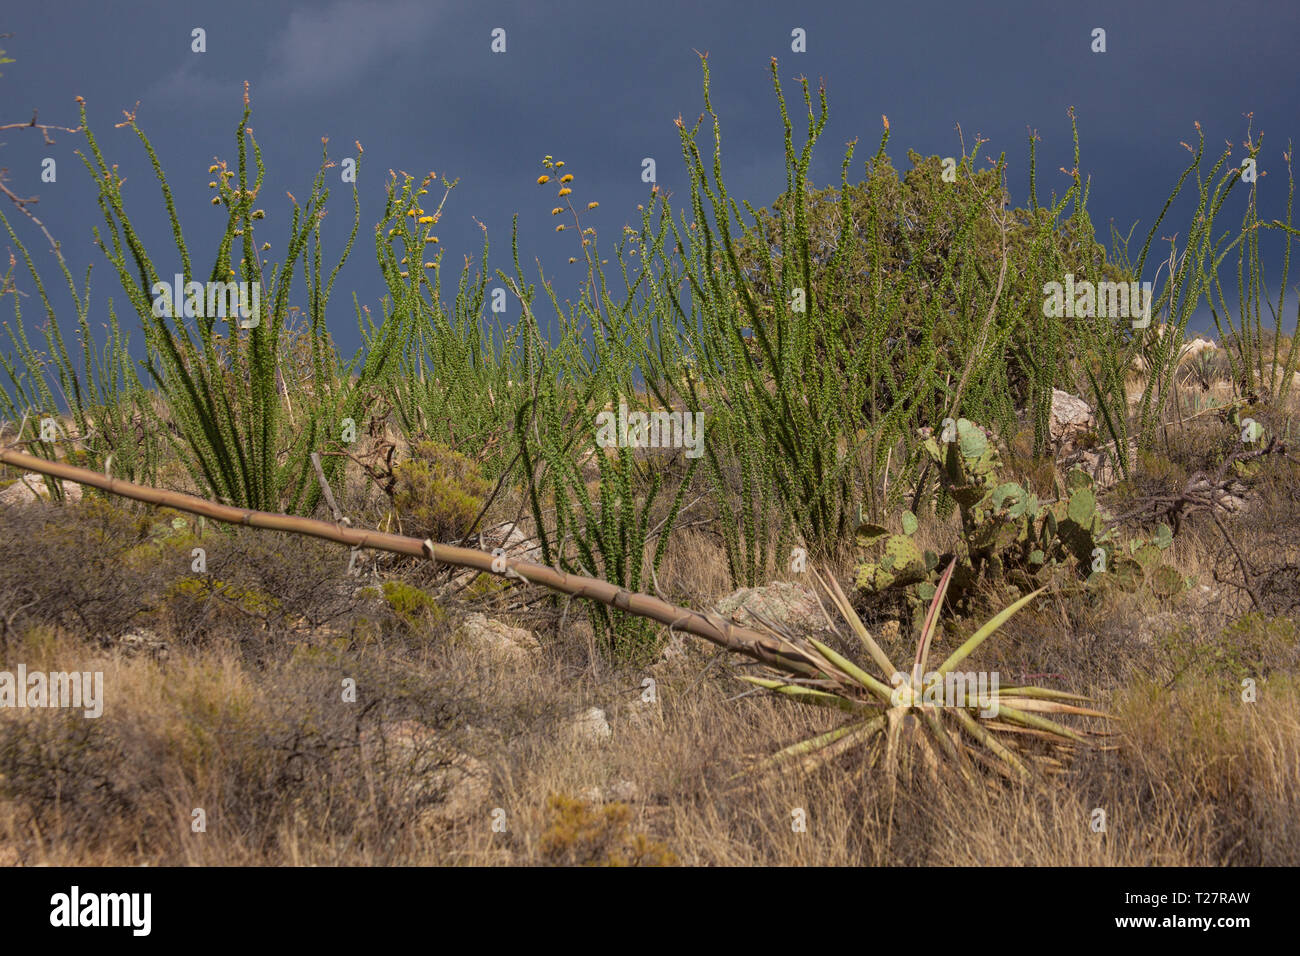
899, 561
1143, 566
1007, 533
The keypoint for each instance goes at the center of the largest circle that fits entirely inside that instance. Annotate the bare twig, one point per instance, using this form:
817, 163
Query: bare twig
1202, 492
20, 202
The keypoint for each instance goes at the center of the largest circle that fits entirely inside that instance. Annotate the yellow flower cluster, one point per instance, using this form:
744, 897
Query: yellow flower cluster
550, 163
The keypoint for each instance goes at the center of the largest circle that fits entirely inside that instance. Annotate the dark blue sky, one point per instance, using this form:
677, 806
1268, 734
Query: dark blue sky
598, 85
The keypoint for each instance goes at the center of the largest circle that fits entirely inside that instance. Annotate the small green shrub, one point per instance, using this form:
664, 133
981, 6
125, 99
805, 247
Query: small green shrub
185, 594
438, 493
1254, 646
411, 605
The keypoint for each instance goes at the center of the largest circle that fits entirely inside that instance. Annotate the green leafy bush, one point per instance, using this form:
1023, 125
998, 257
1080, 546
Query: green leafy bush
411, 605
438, 493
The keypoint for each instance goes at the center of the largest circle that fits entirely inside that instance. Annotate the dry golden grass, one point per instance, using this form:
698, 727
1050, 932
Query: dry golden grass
1202, 779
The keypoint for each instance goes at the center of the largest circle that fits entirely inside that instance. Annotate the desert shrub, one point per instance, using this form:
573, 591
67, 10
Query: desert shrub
1253, 646
193, 597
411, 605
581, 835
438, 494
67, 564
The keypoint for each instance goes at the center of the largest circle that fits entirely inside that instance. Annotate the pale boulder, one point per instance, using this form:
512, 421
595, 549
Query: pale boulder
497, 640
31, 486
1070, 418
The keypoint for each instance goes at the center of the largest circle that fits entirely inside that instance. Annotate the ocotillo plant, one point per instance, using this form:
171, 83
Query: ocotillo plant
1255, 353
104, 399
1191, 274
461, 373
603, 531
244, 426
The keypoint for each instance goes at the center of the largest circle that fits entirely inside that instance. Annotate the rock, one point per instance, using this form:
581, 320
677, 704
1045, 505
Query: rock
141, 641
590, 725
402, 745
1071, 417
783, 603
465, 787
514, 644
31, 486
644, 714
506, 536
1229, 499
621, 791
1233, 504
509, 538
1098, 462
448, 786
1195, 347
624, 791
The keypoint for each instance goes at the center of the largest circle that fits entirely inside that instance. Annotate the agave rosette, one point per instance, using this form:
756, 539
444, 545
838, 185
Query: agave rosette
889, 711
